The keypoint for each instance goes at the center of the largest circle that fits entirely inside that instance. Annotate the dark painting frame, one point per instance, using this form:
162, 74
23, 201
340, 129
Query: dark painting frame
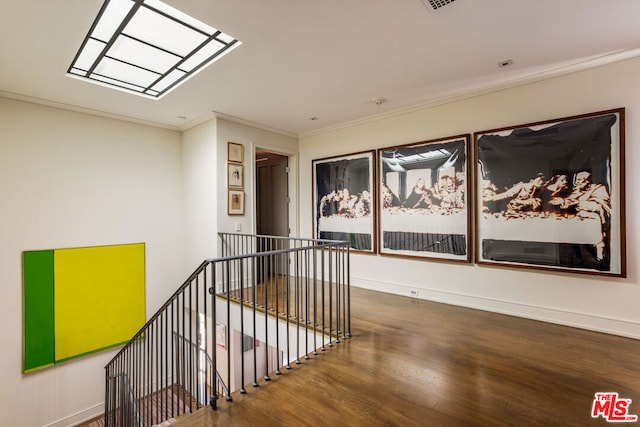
551, 195
344, 199
423, 196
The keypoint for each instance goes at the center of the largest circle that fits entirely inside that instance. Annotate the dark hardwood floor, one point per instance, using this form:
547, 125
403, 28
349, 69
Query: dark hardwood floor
418, 363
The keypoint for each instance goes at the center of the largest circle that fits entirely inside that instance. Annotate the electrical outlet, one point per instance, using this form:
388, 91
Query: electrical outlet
413, 292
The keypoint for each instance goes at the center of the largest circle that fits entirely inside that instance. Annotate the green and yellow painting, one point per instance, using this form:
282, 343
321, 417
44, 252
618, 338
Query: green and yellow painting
81, 300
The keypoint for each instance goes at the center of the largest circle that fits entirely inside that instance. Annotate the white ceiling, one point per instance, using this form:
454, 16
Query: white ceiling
327, 59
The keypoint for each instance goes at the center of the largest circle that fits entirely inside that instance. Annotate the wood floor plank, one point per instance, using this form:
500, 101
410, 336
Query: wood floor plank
419, 363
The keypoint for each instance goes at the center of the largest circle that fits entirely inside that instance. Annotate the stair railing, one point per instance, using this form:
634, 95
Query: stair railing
327, 267
121, 390
289, 295
203, 392
151, 360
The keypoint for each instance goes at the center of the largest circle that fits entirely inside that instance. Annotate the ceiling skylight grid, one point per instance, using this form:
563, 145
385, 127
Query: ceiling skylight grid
436, 4
147, 47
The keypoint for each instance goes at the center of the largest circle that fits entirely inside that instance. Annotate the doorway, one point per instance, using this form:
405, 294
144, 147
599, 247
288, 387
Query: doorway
272, 194
272, 208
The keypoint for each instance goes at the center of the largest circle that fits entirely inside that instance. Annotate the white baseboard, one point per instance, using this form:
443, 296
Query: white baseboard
80, 417
90, 413
621, 327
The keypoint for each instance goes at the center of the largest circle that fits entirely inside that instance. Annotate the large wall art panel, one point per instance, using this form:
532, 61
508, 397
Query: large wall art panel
79, 301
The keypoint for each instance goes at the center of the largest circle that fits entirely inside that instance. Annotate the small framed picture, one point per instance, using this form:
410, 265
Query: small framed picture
235, 202
221, 335
235, 175
235, 152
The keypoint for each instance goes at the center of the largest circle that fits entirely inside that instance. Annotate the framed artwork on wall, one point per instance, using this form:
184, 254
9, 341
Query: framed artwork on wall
79, 301
423, 193
235, 202
221, 335
235, 175
551, 195
235, 152
344, 199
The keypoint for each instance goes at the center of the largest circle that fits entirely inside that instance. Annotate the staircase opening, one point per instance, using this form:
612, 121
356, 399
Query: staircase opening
267, 303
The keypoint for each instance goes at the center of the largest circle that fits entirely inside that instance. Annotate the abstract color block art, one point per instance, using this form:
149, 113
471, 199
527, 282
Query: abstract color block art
81, 300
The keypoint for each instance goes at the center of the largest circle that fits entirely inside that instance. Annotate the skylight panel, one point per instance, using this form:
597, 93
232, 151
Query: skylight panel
146, 56
89, 54
114, 82
147, 47
171, 78
126, 73
201, 56
163, 32
113, 13
188, 20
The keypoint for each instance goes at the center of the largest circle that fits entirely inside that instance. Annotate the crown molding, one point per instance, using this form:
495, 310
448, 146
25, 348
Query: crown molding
78, 109
495, 86
249, 123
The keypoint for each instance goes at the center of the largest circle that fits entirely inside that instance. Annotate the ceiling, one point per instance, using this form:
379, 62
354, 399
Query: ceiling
328, 59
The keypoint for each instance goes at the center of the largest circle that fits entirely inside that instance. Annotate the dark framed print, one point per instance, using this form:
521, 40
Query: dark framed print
235, 202
423, 197
344, 199
235, 175
551, 195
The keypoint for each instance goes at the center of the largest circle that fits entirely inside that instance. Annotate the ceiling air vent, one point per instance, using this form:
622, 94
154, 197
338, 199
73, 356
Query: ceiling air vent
436, 4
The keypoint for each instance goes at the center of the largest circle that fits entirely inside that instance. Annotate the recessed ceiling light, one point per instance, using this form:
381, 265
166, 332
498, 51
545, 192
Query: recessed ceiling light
147, 47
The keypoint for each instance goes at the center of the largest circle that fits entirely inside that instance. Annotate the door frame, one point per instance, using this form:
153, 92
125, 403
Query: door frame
292, 180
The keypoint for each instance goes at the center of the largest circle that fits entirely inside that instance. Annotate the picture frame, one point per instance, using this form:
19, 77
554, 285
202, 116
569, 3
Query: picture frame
235, 202
235, 152
423, 195
344, 205
550, 195
235, 175
221, 335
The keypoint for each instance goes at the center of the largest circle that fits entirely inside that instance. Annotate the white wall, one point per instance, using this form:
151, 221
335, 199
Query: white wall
71, 180
201, 194
252, 138
599, 303
205, 182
